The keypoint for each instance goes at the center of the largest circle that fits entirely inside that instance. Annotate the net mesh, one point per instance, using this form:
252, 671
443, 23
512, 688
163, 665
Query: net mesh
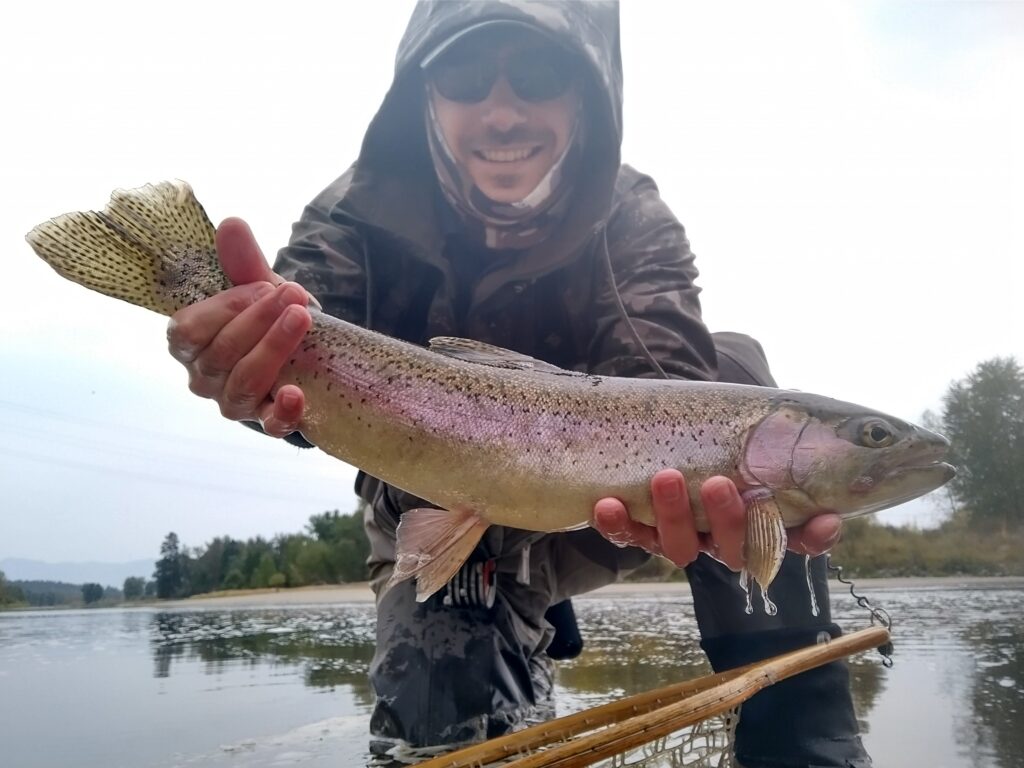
707, 744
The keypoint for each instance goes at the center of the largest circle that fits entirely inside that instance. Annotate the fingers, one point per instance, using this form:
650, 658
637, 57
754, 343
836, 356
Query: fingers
817, 536
234, 345
281, 416
673, 535
726, 515
192, 329
242, 363
240, 255
242, 258
673, 518
612, 520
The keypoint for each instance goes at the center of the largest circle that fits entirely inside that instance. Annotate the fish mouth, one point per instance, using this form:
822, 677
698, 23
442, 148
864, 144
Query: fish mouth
941, 471
901, 484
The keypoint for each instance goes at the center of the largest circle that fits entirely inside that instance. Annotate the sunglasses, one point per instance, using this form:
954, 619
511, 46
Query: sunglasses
535, 74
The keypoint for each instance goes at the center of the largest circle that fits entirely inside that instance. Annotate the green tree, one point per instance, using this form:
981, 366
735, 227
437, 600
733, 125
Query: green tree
92, 593
264, 572
10, 594
206, 569
134, 588
983, 416
346, 540
170, 573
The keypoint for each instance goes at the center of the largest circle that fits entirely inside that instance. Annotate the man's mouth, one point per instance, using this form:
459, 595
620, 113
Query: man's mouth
506, 155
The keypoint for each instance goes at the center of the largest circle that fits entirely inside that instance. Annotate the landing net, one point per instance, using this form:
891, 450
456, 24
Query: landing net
686, 724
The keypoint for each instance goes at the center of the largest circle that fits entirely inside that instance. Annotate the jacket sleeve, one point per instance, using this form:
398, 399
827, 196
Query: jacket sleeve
645, 260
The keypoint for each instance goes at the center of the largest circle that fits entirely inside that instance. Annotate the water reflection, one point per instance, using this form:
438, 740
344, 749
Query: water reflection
332, 647
867, 682
956, 692
997, 689
654, 643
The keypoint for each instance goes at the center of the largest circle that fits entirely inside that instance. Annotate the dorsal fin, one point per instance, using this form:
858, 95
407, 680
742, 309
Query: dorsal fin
497, 357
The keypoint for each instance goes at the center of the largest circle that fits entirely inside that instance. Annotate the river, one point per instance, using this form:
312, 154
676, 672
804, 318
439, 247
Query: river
282, 685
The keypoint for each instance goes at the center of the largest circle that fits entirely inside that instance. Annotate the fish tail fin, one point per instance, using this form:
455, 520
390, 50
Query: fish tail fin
432, 544
152, 246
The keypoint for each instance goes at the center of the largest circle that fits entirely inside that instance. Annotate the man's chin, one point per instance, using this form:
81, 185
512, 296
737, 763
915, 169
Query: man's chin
505, 188
506, 185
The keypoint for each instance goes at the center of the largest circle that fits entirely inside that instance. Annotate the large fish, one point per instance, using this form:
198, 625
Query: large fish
497, 438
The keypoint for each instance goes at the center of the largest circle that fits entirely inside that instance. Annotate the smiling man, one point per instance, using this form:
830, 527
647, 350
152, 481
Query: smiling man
489, 201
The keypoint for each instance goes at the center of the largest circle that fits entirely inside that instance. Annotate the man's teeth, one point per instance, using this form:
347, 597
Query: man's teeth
505, 155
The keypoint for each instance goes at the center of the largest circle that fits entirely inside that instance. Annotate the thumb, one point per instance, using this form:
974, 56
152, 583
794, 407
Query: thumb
240, 255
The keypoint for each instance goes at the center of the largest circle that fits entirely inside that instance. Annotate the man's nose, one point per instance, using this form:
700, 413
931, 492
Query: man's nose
503, 109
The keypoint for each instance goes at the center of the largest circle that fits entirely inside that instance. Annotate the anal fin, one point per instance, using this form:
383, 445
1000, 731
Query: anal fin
766, 543
431, 545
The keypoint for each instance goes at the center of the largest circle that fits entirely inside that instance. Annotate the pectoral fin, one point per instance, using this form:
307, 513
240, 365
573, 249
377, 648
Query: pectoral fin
766, 543
432, 544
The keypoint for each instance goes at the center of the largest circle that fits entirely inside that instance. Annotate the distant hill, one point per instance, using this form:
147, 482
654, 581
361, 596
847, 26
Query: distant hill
107, 574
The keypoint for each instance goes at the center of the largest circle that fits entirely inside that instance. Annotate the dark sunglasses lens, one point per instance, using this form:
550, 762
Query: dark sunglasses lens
540, 75
535, 74
467, 82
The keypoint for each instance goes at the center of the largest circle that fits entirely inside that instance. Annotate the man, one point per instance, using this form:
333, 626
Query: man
488, 201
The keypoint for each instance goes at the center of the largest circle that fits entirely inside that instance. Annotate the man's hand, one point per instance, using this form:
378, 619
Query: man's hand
235, 343
675, 536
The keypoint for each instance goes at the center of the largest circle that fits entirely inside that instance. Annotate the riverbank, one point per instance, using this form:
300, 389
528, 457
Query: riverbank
361, 593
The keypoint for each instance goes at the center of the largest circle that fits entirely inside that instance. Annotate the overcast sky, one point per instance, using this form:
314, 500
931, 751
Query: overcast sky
851, 176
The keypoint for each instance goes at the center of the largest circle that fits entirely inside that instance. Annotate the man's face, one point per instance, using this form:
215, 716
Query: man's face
506, 108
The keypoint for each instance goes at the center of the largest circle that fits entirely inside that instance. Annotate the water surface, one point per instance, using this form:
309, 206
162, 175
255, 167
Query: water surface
144, 688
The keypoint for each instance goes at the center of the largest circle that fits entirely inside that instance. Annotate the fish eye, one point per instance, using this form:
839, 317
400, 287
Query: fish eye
876, 434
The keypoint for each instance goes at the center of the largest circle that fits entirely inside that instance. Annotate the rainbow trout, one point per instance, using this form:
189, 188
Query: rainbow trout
493, 437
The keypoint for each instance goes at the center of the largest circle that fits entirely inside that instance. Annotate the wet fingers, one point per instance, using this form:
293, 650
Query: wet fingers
191, 330
251, 376
613, 522
673, 517
727, 520
281, 416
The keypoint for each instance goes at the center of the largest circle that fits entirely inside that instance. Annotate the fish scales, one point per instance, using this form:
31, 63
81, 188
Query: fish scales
494, 437
559, 443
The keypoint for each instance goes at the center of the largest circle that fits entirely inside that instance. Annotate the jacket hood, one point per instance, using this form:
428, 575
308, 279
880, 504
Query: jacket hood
394, 185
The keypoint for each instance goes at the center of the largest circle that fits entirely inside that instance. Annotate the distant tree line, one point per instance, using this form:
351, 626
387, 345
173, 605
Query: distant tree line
332, 550
10, 594
55, 594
